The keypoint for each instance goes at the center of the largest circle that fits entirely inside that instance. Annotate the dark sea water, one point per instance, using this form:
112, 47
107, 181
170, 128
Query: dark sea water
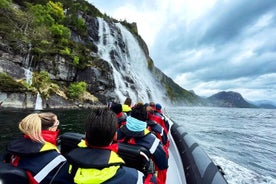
70, 121
241, 141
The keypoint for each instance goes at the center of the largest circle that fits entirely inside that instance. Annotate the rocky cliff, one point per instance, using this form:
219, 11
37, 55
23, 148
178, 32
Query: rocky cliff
77, 45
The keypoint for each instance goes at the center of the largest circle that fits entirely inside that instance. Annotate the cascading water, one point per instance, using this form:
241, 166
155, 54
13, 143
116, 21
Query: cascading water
38, 102
29, 77
128, 61
26, 63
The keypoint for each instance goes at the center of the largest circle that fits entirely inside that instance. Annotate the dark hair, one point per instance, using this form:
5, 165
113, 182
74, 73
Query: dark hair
100, 127
139, 112
47, 120
117, 108
128, 101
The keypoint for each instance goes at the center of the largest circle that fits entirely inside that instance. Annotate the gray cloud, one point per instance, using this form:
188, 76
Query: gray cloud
227, 21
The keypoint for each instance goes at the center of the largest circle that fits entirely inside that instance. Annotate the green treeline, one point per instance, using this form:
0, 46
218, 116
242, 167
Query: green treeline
46, 26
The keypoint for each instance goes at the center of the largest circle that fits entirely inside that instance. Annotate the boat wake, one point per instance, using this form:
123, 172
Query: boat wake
237, 174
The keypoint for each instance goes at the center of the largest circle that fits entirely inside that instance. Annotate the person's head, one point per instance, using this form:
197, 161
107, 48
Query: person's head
117, 108
158, 107
100, 127
128, 101
148, 108
152, 105
139, 112
33, 124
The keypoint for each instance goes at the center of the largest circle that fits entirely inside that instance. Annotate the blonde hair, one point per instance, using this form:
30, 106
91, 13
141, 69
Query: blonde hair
32, 125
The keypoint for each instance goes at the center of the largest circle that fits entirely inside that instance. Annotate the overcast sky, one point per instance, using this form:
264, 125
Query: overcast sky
208, 45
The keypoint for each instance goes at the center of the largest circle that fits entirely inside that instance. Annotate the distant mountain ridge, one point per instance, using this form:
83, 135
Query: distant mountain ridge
229, 99
266, 104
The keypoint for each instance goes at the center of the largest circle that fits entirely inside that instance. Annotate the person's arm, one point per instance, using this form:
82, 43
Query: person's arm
160, 158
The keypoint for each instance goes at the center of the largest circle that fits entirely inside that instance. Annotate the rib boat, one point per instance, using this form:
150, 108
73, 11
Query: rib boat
188, 163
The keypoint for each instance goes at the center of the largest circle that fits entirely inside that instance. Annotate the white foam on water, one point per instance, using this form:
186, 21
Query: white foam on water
237, 174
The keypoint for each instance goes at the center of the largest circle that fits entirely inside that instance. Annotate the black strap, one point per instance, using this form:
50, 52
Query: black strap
74, 170
127, 138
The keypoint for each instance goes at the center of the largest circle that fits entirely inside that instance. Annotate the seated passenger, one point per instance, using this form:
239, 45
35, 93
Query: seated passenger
117, 108
135, 132
156, 128
158, 112
36, 151
97, 161
126, 107
158, 131
153, 115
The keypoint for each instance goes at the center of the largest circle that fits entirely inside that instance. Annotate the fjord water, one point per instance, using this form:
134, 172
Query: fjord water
241, 141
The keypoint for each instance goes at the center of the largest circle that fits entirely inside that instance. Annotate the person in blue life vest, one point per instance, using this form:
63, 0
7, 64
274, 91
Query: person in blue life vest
126, 106
96, 159
135, 132
36, 152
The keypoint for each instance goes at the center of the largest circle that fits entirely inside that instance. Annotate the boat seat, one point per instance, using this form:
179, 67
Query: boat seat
134, 156
69, 141
11, 174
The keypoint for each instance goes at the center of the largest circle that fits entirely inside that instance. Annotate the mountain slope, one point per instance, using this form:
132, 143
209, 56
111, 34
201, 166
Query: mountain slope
45, 49
229, 99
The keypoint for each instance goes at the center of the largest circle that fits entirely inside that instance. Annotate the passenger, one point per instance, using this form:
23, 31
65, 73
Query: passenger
158, 111
158, 130
96, 161
117, 108
36, 151
152, 105
127, 106
160, 119
135, 132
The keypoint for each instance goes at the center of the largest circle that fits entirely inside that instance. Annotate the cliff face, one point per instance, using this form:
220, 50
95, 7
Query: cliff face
112, 61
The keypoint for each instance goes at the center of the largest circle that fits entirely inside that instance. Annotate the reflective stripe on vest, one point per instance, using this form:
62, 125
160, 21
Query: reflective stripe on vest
140, 177
48, 168
154, 145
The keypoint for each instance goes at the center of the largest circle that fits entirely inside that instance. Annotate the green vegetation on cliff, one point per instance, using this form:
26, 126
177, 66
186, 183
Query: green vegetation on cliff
8, 84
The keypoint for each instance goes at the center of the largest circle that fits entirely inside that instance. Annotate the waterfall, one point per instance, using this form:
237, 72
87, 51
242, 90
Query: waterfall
29, 76
129, 61
38, 102
28, 72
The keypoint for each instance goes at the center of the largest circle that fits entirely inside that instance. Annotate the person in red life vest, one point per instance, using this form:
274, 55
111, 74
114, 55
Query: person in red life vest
117, 108
158, 112
96, 159
126, 107
135, 132
157, 129
152, 115
36, 151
